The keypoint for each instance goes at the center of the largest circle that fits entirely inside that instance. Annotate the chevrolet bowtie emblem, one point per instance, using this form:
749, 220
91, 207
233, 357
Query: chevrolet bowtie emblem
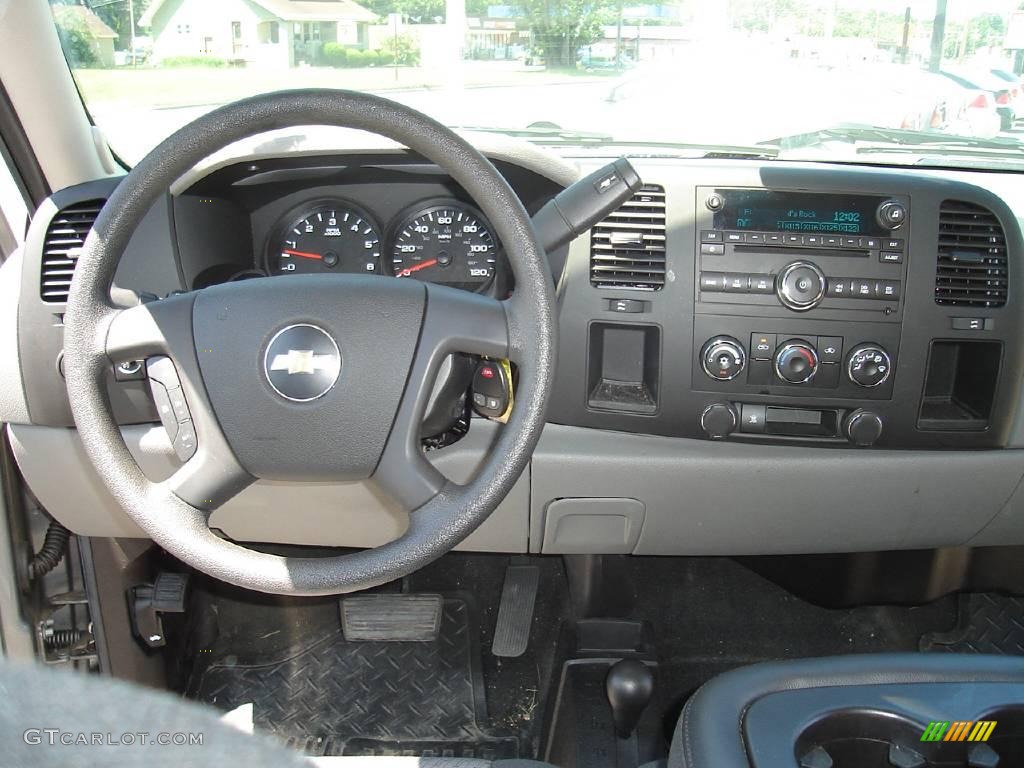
303, 361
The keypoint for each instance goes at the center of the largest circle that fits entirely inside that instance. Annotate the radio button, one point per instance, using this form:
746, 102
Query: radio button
735, 283
774, 238
888, 289
839, 287
890, 257
734, 237
711, 249
762, 346
711, 236
892, 245
794, 239
755, 237
812, 240
712, 281
832, 241
801, 286
872, 243
851, 242
862, 289
762, 284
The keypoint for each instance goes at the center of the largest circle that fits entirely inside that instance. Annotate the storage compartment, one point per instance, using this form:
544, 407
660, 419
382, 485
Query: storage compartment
960, 386
623, 367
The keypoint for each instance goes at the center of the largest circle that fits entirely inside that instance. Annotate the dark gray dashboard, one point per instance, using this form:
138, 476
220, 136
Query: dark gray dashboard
627, 464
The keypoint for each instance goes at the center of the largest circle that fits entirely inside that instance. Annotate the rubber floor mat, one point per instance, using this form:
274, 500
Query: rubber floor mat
338, 697
987, 623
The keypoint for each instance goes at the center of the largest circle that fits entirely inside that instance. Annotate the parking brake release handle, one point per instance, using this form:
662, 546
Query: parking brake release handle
579, 207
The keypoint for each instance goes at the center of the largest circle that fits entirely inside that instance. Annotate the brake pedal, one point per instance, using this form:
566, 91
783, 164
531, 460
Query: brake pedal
391, 618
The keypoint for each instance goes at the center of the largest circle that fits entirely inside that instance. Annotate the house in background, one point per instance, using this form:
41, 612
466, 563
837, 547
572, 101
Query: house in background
101, 37
274, 32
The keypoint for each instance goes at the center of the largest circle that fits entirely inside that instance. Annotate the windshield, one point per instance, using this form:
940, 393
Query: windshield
926, 82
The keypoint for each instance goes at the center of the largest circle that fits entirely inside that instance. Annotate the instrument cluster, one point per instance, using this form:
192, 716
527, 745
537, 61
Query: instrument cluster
443, 241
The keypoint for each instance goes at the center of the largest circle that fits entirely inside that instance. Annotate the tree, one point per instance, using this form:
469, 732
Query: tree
77, 41
560, 27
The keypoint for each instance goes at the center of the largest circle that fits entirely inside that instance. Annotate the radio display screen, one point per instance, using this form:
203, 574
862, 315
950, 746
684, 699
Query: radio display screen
762, 210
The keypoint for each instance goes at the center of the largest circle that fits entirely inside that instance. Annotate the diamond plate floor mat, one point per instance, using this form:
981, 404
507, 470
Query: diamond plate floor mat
332, 697
987, 623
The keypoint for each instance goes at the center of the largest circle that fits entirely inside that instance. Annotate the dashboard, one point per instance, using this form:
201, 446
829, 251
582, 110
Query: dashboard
753, 357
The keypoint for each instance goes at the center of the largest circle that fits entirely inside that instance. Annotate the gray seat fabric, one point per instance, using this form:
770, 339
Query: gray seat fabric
60, 719
709, 733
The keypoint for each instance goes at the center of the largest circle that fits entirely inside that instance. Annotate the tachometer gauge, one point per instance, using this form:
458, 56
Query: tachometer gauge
449, 244
327, 237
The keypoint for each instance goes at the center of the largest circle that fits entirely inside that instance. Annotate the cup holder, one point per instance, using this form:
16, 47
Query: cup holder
859, 738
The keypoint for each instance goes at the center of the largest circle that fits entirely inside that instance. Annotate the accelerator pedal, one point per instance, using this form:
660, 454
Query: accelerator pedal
391, 618
515, 612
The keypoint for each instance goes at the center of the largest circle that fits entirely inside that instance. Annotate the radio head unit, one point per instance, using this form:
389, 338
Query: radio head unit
763, 210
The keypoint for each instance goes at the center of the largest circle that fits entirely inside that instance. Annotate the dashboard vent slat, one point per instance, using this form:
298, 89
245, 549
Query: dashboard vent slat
972, 265
627, 249
63, 242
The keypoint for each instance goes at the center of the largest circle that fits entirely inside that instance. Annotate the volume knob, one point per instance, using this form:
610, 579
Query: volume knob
800, 286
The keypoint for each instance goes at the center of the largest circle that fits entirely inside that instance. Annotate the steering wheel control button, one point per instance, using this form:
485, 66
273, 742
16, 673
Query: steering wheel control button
723, 358
869, 365
752, 418
302, 362
185, 441
164, 409
891, 214
491, 389
718, 420
796, 362
762, 346
801, 286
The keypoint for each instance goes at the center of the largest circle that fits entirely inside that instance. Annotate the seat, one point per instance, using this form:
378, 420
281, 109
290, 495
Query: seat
716, 729
59, 718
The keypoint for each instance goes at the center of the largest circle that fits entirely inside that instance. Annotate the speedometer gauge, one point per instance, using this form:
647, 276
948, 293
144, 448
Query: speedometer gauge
449, 244
326, 237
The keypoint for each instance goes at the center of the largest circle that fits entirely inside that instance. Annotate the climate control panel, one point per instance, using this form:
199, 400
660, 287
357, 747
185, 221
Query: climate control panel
795, 358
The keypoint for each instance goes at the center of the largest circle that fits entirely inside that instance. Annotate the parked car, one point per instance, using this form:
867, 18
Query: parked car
1016, 87
998, 88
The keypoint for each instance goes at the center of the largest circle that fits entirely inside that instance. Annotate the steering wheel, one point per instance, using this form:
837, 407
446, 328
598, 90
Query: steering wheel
310, 378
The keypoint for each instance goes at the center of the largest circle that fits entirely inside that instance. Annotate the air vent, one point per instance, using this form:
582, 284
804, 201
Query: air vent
627, 249
972, 263
64, 240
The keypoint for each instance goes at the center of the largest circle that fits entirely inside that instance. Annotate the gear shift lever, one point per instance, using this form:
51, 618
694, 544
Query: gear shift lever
629, 687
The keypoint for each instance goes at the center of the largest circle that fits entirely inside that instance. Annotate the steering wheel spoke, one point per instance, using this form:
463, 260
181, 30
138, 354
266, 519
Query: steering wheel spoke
454, 321
138, 332
210, 478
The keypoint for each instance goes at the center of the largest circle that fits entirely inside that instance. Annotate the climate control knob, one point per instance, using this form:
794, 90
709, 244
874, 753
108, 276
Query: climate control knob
796, 361
869, 365
723, 358
800, 285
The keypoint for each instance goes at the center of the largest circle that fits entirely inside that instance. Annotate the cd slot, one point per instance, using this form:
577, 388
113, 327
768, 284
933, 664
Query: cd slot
773, 249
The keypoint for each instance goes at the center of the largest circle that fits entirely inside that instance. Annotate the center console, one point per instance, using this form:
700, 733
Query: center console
798, 305
798, 294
